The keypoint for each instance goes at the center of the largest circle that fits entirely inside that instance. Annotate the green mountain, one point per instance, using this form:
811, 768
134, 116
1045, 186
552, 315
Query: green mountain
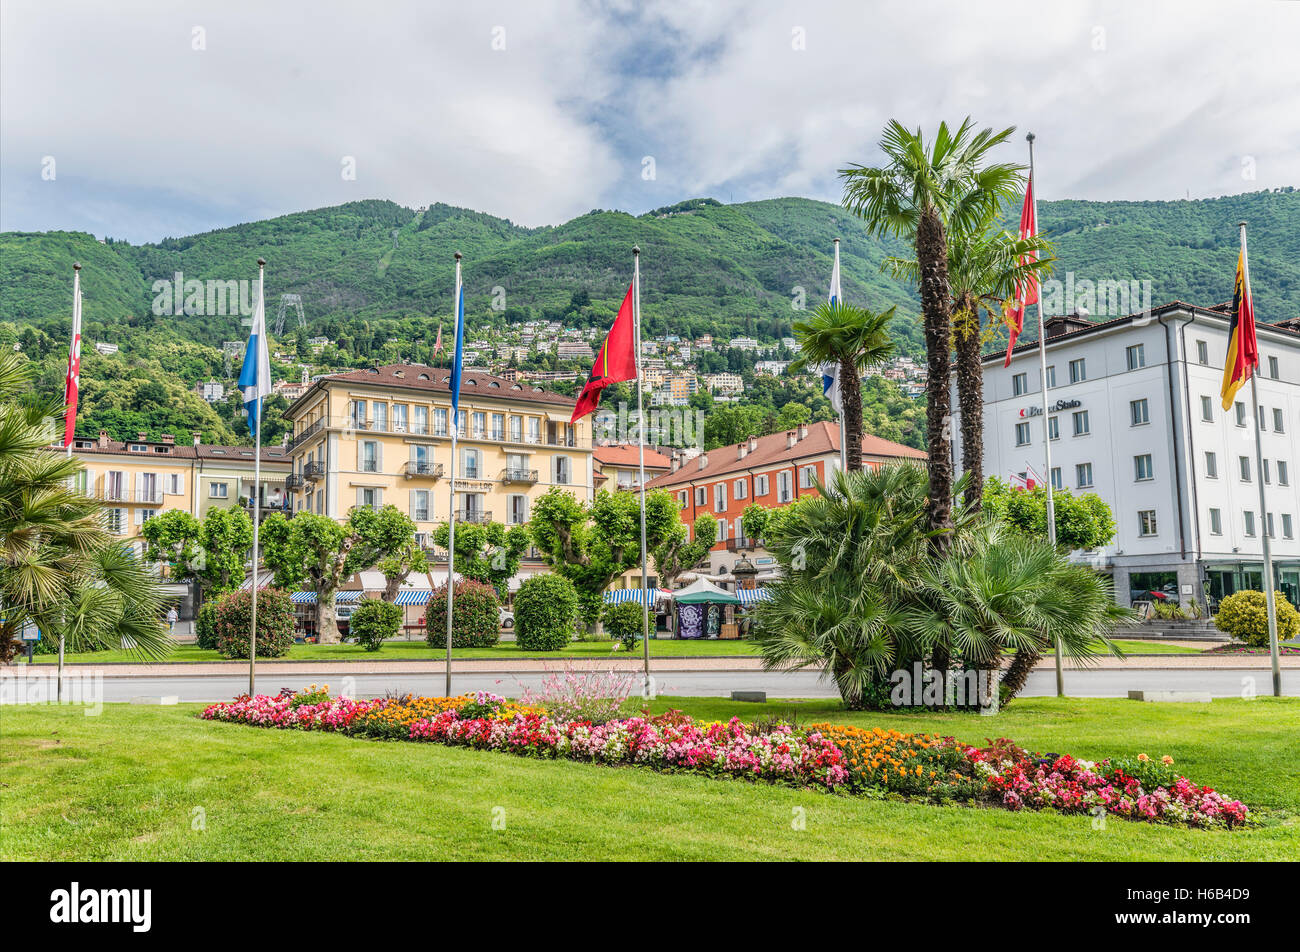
376, 277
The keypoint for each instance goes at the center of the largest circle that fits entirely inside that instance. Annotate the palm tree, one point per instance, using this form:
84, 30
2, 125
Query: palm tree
60, 569
984, 266
925, 192
856, 339
1007, 592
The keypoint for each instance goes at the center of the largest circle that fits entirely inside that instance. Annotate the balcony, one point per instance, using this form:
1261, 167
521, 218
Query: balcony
423, 469
524, 477
473, 515
113, 494
740, 545
306, 434
294, 482
313, 470
149, 497
268, 506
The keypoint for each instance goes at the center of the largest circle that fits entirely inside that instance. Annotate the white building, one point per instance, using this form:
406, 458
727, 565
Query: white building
1135, 415
213, 391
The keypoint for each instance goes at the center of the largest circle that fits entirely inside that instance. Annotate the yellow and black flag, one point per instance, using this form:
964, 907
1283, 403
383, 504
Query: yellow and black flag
1243, 349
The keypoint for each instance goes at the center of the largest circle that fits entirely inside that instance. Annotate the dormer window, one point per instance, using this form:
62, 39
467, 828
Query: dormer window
138, 448
424, 376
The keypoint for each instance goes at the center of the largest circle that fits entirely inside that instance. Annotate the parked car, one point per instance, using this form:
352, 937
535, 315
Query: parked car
506, 618
343, 615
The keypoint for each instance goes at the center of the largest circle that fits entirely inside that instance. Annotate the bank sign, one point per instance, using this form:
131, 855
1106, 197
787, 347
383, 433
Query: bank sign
1056, 407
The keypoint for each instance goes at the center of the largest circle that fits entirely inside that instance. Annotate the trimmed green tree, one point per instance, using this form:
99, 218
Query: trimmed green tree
623, 621
477, 616
486, 552
1082, 522
274, 623
1244, 616
210, 553
373, 621
546, 609
591, 545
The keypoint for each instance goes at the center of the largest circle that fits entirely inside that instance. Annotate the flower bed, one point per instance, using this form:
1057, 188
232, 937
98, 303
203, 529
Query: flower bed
833, 757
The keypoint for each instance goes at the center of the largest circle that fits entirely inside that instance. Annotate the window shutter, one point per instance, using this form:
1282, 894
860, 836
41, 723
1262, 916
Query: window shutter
361, 455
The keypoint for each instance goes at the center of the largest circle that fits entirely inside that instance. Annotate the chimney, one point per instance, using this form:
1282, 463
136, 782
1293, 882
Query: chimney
704, 461
197, 437
753, 444
141, 436
741, 450
791, 438
103, 439
168, 439
677, 463
803, 431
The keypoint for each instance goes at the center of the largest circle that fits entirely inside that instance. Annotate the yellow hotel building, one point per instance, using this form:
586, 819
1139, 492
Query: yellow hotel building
373, 437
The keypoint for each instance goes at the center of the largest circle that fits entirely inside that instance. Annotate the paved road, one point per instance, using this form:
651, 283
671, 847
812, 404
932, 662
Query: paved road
1096, 683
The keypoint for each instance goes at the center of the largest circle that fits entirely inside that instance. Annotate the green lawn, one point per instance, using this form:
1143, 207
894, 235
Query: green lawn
134, 782
420, 651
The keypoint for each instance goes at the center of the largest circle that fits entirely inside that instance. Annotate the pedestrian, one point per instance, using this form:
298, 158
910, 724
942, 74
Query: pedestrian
172, 618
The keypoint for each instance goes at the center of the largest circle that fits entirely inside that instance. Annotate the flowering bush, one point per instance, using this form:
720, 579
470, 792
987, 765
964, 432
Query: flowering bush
1244, 616
233, 620
832, 757
476, 616
583, 696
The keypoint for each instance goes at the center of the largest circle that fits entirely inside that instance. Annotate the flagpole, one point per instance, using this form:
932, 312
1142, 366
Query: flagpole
640, 430
1047, 423
257, 501
836, 293
1269, 600
451, 515
72, 352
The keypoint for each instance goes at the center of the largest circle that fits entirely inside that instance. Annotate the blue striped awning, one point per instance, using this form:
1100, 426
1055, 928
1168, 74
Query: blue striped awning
303, 598
748, 596
419, 596
621, 595
349, 596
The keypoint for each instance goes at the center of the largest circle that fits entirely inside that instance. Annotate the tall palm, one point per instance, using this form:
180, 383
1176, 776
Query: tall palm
60, 569
856, 339
924, 192
985, 263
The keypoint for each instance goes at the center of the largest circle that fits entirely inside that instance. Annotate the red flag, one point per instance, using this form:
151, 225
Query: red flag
437, 345
616, 361
72, 383
1026, 290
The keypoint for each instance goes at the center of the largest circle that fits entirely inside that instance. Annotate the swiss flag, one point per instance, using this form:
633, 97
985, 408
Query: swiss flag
616, 361
1013, 312
72, 383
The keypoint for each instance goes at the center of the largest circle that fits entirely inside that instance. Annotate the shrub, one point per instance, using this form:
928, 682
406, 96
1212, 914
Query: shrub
274, 623
476, 616
546, 607
582, 696
1244, 616
205, 625
373, 621
624, 622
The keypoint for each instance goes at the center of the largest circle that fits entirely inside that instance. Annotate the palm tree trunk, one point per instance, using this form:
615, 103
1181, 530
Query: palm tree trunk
851, 395
936, 307
1017, 674
970, 396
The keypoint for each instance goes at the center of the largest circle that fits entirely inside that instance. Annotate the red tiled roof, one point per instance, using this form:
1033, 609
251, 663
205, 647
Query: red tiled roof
438, 380
823, 439
629, 455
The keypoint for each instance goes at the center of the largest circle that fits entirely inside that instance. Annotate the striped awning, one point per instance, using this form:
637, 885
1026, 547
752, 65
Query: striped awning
621, 595
303, 598
418, 596
265, 580
748, 596
352, 595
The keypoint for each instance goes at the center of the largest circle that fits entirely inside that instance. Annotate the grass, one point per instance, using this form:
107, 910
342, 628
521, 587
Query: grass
420, 651
148, 783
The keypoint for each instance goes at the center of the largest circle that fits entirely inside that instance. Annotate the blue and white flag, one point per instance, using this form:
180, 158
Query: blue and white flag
460, 350
831, 372
836, 294
255, 378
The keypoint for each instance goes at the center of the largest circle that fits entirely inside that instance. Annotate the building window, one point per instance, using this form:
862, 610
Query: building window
516, 429
1272, 368
399, 418
1267, 472
722, 531
1244, 464
381, 417
1147, 522
1019, 384
682, 498
1022, 434
440, 420
1283, 477
1203, 353
369, 456
1249, 518
1051, 376
420, 505
469, 460
1083, 475
719, 497
562, 472
534, 430
479, 425
113, 520
1078, 371
739, 489
1211, 465
1081, 423
517, 510
1056, 478
1240, 409
761, 485
1136, 356
1286, 525
218, 490
1268, 525
1138, 412
420, 420
1263, 417
1207, 409
701, 495
783, 487
1142, 468
1216, 522
807, 476
368, 497
1279, 420
1053, 428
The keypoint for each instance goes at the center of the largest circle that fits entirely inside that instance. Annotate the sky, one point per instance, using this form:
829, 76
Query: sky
149, 120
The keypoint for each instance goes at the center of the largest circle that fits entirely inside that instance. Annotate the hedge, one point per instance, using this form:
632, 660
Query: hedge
546, 608
1244, 615
374, 620
274, 623
477, 612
